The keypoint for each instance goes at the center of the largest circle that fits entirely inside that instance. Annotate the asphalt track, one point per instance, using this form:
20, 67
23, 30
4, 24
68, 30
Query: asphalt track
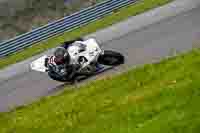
145, 45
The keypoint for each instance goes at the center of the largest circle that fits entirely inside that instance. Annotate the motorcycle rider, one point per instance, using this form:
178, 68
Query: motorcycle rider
62, 57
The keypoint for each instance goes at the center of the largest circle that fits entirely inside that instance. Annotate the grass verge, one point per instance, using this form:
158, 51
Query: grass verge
122, 14
155, 98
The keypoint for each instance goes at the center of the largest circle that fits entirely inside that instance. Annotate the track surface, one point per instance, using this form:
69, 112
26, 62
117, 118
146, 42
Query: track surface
142, 46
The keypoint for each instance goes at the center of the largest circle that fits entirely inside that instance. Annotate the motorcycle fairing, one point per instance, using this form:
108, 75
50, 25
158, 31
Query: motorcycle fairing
39, 64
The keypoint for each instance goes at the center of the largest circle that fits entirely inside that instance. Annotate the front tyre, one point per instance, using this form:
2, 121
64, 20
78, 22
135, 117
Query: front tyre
111, 58
56, 77
60, 78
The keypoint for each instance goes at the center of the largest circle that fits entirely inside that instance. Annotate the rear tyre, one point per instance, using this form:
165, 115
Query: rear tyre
111, 58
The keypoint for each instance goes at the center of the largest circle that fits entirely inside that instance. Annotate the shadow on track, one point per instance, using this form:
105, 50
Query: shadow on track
79, 81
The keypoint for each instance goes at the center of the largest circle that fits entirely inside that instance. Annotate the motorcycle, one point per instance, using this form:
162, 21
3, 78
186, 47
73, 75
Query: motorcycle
92, 60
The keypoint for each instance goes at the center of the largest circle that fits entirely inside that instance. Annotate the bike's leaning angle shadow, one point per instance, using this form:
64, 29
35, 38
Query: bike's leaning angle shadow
80, 80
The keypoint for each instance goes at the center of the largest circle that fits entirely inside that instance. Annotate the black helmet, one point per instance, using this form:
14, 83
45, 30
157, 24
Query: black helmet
60, 55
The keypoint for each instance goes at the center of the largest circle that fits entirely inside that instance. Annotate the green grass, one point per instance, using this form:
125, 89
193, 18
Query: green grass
155, 98
120, 15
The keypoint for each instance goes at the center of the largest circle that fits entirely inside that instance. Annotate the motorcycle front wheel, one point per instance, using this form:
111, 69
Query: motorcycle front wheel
61, 78
56, 77
111, 58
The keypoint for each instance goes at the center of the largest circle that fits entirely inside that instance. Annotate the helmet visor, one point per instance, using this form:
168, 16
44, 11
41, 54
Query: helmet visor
59, 60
